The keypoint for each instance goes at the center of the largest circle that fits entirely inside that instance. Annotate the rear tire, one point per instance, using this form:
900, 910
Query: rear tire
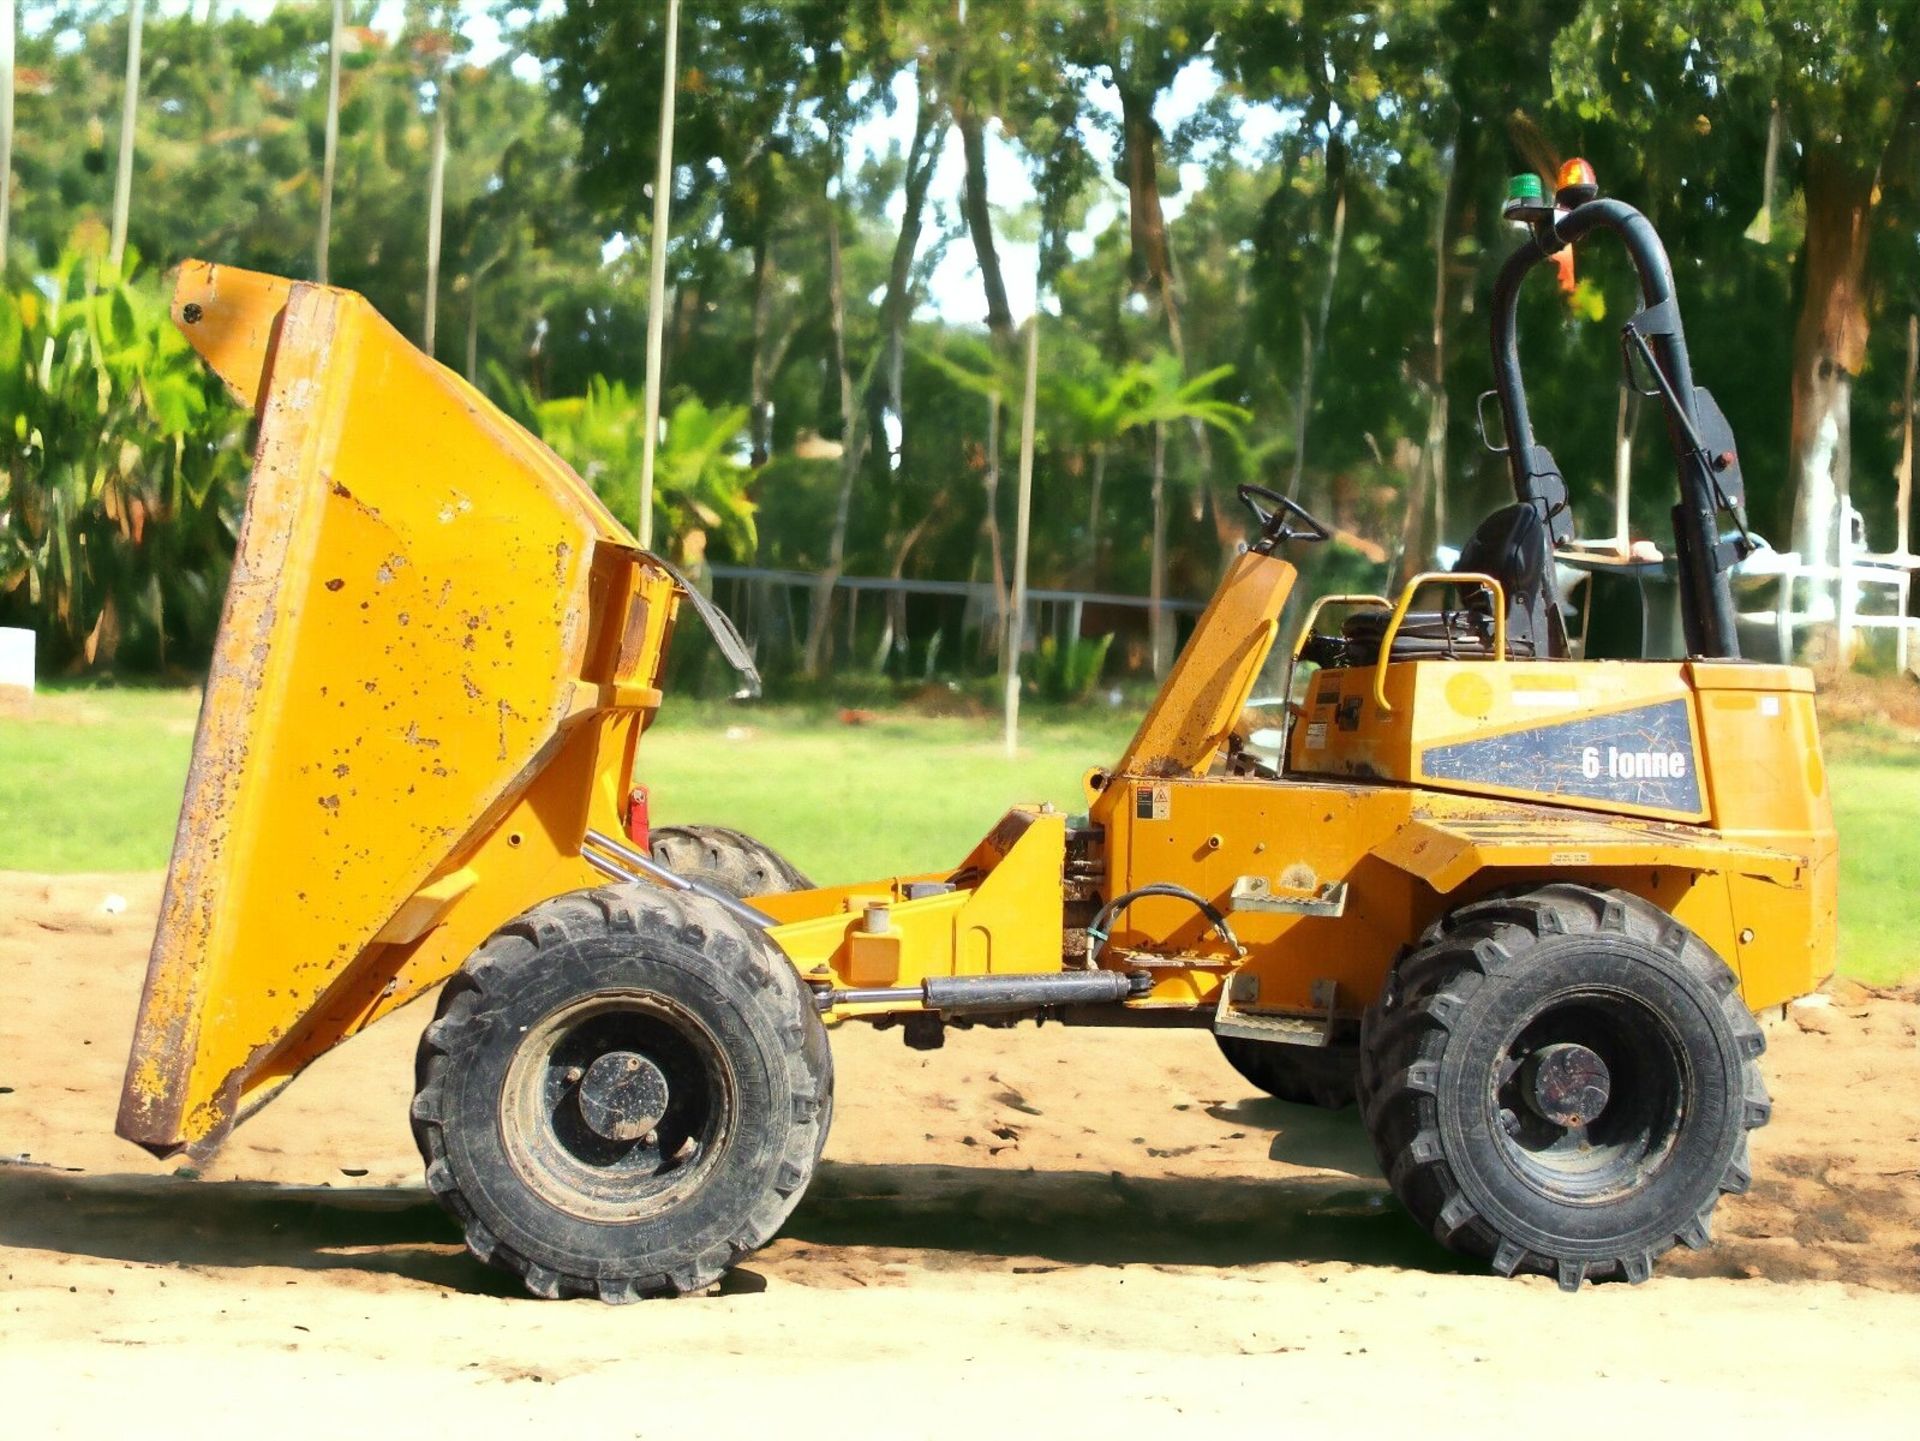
624, 1092
1562, 1081
728, 860
1320, 1076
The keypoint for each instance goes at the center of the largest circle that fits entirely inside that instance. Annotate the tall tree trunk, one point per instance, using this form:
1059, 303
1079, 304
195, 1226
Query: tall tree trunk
1157, 582
1903, 501
657, 238
1094, 487
1149, 260
893, 634
129, 109
1313, 335
1150, 270
853, 442
473, 321
980, 220
436, 200
1098, 466
1022, 533
1761, 230
990, 482
323, 237
922, 155
1429, 483
6, 126
1829, 343
760, 383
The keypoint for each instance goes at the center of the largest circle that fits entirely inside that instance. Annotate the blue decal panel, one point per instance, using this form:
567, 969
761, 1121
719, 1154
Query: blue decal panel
1640, 757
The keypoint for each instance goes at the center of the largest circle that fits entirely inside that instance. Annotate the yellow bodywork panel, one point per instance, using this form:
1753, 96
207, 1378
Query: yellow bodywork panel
436, 654
1491, 728
1405, 857
1005, 920
1203, 695
1698, 785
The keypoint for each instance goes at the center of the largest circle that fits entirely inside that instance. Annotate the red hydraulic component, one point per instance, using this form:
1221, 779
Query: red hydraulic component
638, 826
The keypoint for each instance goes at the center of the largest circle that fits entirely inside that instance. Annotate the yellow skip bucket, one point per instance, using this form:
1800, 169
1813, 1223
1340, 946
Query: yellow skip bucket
437, 654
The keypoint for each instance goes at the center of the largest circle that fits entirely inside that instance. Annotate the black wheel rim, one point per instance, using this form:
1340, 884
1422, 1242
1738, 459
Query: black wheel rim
606, 1151
1586, 1098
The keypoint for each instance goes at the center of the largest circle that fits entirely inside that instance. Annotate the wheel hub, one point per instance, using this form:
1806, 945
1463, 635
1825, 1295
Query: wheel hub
622, 1096
1566, 1084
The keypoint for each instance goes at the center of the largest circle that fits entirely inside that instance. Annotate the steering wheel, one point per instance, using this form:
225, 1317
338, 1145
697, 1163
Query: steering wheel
1274, 527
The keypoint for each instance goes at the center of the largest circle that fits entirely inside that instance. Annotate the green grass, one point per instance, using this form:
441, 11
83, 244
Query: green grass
901, 794
1876, 802
90, 780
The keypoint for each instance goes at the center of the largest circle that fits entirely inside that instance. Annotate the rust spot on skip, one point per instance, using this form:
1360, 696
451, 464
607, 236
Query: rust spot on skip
335, 584
330, 803
372, 512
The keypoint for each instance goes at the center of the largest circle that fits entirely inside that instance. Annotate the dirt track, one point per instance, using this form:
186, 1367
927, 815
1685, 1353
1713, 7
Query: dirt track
1064, 1228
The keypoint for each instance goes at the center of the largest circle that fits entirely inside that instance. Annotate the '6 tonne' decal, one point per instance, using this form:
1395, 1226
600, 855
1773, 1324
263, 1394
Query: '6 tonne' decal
1640, 757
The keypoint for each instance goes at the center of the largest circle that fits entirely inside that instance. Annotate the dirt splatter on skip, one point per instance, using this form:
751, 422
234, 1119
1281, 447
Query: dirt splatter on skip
1074, 1223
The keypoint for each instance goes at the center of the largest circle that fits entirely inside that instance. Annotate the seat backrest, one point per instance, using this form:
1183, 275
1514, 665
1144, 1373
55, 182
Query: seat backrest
1512, 546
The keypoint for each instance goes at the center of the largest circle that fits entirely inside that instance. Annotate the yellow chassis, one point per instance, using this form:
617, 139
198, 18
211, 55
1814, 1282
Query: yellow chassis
439, 652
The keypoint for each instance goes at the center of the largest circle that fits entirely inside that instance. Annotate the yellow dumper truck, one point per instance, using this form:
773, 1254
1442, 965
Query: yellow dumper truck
1520, 906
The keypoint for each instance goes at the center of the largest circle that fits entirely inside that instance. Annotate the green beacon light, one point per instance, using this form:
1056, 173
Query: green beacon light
1526, 199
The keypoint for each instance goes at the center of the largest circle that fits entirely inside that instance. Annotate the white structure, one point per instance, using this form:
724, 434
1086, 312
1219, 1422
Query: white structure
1861, 591
16, 658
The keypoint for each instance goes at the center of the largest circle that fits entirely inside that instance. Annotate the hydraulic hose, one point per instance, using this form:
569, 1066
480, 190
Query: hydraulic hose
1099, 930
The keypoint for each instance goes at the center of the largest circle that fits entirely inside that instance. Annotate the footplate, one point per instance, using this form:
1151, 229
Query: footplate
1286, 1029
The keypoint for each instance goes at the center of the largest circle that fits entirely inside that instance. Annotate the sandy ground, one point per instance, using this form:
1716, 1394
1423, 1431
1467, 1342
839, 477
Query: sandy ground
1032, 1229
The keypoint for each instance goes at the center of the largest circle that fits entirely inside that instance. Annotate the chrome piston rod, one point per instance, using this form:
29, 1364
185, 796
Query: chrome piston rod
960, 994
646, 866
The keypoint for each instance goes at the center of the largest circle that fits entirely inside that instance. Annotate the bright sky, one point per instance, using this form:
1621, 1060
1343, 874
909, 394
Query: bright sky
954, 291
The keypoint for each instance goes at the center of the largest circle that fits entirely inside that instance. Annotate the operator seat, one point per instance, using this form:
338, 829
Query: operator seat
1512, 546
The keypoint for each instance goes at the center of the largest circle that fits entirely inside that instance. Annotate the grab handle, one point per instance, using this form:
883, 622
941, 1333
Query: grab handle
1313, 614
1437, 577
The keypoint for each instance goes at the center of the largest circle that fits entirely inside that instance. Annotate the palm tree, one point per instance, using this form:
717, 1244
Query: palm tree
700, 479
1094, 407
991, 372
1163, 396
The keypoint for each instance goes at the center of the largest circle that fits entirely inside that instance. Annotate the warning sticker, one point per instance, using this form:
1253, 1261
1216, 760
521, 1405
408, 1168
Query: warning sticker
1317, 736
1153, 803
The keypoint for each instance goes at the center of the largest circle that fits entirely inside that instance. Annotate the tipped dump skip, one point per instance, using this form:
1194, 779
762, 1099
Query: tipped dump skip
426, 605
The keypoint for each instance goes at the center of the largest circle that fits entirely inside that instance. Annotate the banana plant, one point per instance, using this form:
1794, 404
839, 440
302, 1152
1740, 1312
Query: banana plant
700, 480
121, 468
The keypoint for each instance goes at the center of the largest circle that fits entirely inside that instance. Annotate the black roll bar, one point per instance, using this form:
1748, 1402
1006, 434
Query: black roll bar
1706, 598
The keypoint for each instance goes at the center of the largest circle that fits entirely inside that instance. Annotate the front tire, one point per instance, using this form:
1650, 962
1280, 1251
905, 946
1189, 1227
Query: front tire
624, 1092
1562, 1081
